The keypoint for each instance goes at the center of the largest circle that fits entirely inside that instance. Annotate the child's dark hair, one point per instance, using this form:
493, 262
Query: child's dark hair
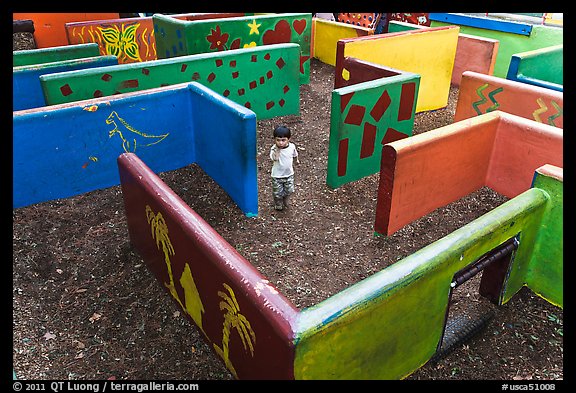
282, 132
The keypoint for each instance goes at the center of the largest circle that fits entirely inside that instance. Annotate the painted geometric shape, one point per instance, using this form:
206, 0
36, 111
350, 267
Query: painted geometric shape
355, 115
407, 101
368, 140
342, 156
381, 106
392, 135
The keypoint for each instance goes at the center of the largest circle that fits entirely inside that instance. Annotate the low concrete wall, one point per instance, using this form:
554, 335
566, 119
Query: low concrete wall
427, 52
69, 149
263, 79
541, 67
27, 90
374, 105
480, 93
57, 53
242, 316
176, 37
430, 170
130, 39
473, 53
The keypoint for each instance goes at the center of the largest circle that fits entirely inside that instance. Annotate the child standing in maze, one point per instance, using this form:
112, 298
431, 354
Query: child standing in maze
282, 154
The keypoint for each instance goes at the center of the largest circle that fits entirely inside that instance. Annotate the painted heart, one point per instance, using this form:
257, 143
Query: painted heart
299, 25
280, 34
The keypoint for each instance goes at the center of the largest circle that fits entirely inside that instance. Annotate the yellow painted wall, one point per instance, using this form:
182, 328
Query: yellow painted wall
429, 53
327, 34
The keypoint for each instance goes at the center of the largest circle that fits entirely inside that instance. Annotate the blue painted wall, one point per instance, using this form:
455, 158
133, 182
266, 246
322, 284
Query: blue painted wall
70, 149
26, 88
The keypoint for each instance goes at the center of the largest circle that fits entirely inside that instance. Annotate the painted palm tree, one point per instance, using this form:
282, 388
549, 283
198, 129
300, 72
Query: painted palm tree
194, 306
233, 319
160, 234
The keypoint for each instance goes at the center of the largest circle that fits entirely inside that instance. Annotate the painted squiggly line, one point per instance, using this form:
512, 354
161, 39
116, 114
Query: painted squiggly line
559, 112
491, 96
543, 108
476, 104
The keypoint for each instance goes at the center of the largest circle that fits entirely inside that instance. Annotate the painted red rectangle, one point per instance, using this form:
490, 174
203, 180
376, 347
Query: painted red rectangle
342, 156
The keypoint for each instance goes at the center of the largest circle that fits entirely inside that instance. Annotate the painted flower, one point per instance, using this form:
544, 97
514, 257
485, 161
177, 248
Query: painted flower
217, 39
121, 43
250, 45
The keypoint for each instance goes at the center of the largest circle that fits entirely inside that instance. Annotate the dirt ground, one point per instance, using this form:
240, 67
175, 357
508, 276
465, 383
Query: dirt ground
86, 308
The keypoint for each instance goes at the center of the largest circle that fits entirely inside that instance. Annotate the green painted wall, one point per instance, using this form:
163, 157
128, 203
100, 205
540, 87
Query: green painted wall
352, 120
264, 79
510, 43
178, 37
53, 54
545, 64
545, 272
389, 324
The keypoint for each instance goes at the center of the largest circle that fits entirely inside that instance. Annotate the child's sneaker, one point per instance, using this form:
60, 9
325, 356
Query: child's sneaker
278, 204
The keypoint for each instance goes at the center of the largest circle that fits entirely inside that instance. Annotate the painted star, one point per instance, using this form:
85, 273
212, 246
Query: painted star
254, 27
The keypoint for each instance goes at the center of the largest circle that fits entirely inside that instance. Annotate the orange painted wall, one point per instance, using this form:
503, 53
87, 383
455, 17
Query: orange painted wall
430, 170
474, 53
49, 27
480, 93
138, 45
520, 147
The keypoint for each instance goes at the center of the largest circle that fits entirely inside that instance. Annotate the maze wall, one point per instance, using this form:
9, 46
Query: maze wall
383, 327
57, 53
374, 106
49, 27
130, 39
514, 37
473, 53
178, 38
241, 315
27, 90
541, 67
430, 170
427, 52
327, 33
70, 149
481, 93
390, 324
263, 79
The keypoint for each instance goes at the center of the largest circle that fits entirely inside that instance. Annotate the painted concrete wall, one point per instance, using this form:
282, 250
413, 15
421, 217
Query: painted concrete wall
510, 42
27, 91
57, 53
472, 53
130, 39
480, 93
327, 33
263, 79
389, 324
427, 171
540, 67
383, 327
69, 149
49, 27
242, 316
175, 37
545, 271
377, 108
411, 51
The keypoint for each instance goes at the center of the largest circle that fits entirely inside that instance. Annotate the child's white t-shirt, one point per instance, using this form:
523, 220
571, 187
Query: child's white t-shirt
283, 167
